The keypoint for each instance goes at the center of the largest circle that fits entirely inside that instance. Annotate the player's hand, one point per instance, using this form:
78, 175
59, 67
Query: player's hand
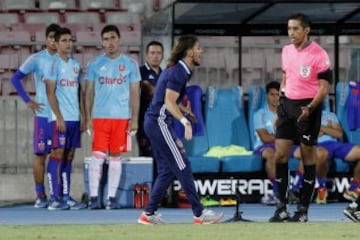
188, 131
133, 127
60, 124
35, 107
305, 112
89, 126
191, 116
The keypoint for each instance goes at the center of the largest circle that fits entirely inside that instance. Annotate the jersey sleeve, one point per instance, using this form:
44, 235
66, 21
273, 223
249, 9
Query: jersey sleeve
134, 72
259, 120
283, 59
29, 65
52, 72
90, 72
176, 81
333, 118
323, 62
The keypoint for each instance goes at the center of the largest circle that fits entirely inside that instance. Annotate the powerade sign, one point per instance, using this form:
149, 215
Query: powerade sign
252, 189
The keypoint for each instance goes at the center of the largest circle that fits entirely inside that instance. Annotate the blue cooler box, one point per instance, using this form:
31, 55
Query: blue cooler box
135, 170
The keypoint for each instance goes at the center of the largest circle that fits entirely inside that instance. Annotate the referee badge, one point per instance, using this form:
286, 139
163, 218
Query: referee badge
305, 71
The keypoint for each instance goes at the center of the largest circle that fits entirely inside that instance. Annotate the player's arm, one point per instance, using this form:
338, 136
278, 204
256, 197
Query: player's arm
324, 86
135, 104
89, 101
171, 97
16, 82
82, 108
317, 100
333, 129
282, 83
265, 136
185, 108
50, 92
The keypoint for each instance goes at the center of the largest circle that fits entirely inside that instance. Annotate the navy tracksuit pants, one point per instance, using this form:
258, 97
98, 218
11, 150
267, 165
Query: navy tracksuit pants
171, 162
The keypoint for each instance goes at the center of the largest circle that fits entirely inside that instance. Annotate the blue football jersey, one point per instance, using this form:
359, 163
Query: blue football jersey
67, 77
112, 79
38, 64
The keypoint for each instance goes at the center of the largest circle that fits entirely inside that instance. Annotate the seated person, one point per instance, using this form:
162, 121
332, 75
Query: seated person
330, 146
264, 146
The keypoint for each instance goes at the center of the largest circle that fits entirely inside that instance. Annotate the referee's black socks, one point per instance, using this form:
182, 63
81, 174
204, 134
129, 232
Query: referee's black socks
282, 179
308, 185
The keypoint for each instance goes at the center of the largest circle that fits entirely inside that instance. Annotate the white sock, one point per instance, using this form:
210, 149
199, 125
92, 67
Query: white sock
114, 175
95, 172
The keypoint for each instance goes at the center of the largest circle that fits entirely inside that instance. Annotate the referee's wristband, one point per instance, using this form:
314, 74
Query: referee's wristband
184, 121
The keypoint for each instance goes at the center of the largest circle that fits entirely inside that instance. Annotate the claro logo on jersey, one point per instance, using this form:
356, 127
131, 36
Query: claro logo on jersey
68, 83
107, 80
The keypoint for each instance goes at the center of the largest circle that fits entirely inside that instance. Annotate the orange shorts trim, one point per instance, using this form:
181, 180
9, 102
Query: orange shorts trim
110, 135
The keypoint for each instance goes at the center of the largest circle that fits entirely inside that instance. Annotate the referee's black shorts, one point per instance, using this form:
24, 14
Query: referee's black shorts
287, 127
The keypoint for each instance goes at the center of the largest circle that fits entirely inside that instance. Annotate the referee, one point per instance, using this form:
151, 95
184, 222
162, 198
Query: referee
305, 82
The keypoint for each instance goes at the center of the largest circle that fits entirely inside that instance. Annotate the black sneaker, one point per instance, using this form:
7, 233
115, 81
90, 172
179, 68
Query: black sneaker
112, 204
280, 215
299, 216
352, 213
94, 203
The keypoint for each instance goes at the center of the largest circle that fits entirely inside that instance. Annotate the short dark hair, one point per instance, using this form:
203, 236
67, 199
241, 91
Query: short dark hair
53, 27
154, 43
272, 85
304, 19
110, 28
60, 32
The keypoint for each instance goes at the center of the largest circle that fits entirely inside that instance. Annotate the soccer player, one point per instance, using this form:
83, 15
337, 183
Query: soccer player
112, 85
67, 117
264, 125
305, 82
37, 64
168, 150
329, 136
150, 73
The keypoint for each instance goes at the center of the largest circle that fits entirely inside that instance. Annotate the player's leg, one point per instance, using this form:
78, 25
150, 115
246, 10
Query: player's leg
282, 153
285, 135
163, 178
268, 154
321, 169
100, 147
54, 169
353, 211
41, 147
308, 131
118, 145
351, 152
72, 142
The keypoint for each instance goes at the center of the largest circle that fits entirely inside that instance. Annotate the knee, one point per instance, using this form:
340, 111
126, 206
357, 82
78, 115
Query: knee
321, 156
57, 153
281, 156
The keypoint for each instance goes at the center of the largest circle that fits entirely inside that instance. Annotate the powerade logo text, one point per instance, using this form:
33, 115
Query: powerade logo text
106, 80
223, 187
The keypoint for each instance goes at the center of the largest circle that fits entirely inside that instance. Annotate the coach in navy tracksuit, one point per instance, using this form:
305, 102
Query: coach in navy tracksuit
167, 147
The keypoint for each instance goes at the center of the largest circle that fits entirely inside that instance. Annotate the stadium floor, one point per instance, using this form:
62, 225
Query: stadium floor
28, 215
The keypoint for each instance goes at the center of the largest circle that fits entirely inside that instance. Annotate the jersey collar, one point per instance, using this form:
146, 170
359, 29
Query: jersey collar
182, 63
